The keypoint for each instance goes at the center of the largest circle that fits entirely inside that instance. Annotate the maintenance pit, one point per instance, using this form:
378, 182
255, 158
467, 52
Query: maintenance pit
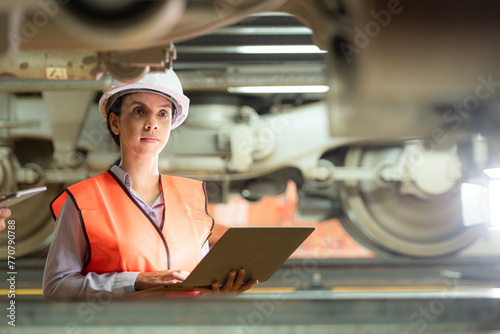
304, 296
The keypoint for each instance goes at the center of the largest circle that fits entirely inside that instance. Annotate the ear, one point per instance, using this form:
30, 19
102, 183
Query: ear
114, 122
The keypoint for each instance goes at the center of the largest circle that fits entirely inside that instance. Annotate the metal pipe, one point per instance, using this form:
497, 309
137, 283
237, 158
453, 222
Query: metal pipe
213, 164
100, 161
15, 85
191, 81
210, 80
354, 174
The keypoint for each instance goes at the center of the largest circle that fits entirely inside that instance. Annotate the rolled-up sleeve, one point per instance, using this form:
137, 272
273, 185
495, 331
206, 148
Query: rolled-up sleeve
66, 259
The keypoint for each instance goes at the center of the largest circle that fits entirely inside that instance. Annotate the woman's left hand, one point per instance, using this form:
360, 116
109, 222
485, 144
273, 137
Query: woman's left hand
4, 214
234, 284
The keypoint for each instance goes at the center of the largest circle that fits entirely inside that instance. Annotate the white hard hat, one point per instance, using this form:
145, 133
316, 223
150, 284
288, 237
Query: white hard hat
166, 84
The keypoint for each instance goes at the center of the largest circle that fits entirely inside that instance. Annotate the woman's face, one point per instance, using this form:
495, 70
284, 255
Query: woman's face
144, 124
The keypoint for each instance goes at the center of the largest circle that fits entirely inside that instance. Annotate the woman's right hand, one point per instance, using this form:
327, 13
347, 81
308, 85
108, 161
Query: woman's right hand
159, 278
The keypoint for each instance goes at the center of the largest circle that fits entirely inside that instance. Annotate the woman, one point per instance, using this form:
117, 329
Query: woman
132, 228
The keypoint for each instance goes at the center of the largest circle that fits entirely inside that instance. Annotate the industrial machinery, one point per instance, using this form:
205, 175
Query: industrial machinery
405, 115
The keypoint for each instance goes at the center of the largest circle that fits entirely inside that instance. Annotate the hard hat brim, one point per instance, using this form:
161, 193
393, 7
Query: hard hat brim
180, 101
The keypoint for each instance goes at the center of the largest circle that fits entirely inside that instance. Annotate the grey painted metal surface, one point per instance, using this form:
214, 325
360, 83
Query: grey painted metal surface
306, 312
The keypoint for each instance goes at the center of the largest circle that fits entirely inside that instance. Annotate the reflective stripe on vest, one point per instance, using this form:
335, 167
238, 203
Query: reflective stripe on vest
122, 237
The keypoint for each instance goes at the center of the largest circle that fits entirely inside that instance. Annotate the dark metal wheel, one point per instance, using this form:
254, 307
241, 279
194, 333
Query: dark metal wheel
387, 221
33, 225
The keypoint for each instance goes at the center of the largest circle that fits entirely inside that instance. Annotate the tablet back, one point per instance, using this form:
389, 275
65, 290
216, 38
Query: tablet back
21, 195
259, 250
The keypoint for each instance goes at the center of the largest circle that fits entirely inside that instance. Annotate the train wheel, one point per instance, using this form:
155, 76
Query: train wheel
387, 221
33, 225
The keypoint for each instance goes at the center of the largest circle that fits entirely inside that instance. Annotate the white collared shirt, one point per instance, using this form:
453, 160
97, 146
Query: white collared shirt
69, 252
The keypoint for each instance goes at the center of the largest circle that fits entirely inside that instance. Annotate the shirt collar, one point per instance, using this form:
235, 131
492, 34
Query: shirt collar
123, 176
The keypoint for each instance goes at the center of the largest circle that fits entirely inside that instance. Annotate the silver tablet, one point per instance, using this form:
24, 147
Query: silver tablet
11, 199
259, 250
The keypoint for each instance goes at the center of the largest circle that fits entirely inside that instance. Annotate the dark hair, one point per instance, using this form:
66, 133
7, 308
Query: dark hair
116, 108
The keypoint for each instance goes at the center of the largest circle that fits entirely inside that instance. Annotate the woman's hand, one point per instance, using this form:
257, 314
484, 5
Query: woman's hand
4, 214
234, 284
159, 278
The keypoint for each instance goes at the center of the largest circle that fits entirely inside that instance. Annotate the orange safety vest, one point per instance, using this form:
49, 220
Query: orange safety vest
122, 237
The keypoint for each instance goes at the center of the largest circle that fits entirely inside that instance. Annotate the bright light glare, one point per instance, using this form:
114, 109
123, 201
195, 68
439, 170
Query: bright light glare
474, 204
250, 49
494, 189
495, 292
494, 173
279, 89
279, 49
